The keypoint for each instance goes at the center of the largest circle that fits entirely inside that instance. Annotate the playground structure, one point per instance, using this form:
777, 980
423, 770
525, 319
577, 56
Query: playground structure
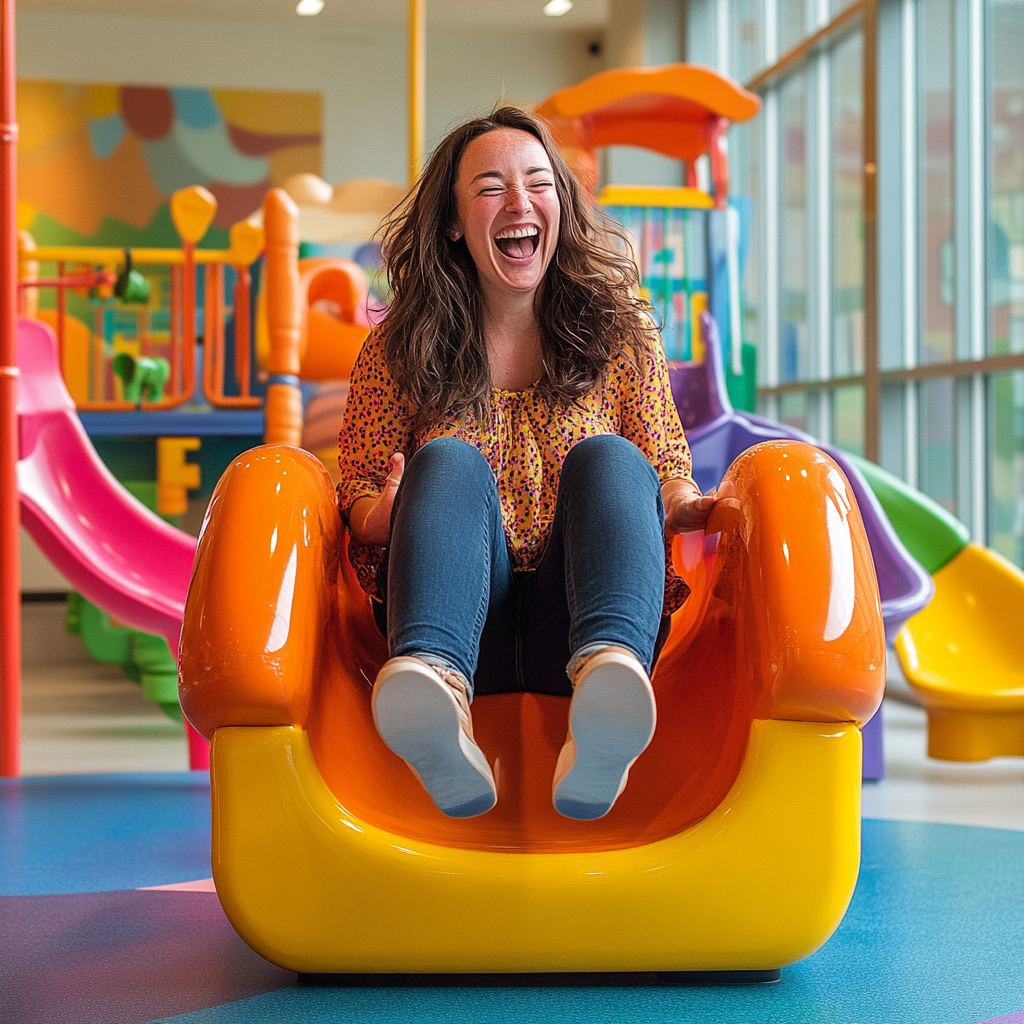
687, 241
91, 357
963, 653
116, 552
322, 307
952, 608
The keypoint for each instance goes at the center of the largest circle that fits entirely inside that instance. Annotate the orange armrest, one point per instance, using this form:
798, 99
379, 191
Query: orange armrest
263, 592
792, 565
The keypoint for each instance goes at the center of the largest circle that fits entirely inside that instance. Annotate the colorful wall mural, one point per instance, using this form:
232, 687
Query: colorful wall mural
98, 163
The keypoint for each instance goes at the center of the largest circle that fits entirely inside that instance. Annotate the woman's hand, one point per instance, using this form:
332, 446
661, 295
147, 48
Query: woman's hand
685, 507
369, 519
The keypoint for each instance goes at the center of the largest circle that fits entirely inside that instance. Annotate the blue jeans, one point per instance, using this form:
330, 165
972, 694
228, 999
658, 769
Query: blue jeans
448, 588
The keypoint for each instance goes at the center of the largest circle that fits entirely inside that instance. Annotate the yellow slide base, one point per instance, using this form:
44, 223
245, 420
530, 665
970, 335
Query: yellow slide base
974, 735
964, 656
760, 883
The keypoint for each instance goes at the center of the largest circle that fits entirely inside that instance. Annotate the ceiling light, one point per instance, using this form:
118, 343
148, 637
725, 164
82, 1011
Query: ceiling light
556, 8
308, 8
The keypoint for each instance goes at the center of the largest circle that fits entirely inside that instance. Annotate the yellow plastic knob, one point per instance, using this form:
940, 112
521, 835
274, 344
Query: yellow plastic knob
193, 210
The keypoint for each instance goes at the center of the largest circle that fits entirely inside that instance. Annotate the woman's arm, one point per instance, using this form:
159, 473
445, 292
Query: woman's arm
369, 517
375, 434
649, 419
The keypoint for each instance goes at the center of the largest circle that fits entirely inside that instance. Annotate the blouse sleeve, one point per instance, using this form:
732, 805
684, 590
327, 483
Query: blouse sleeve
376, 425
650, 420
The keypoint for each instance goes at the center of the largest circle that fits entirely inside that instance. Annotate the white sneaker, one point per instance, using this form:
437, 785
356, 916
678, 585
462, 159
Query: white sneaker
611, 722
422, 714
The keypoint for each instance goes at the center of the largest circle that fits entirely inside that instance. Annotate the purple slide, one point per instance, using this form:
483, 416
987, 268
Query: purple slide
115, 551
718, 434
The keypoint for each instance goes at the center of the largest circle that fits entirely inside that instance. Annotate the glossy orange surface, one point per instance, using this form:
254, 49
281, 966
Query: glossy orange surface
669, 109
331, 341
784, 622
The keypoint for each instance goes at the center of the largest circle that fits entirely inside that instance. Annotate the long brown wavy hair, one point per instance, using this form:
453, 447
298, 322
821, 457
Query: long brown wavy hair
587, 307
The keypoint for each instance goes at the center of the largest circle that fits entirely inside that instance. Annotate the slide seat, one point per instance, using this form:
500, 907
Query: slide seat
735, 845
964, 657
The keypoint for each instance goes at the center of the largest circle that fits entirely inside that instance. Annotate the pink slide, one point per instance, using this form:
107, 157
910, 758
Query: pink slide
115, 551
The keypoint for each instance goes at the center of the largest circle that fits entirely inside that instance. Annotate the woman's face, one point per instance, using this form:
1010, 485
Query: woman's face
508, 210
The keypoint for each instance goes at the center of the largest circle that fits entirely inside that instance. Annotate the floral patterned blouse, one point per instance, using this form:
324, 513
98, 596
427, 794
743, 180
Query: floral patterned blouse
525, 445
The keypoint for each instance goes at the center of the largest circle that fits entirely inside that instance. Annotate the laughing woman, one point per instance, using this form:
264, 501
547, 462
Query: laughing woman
511, 464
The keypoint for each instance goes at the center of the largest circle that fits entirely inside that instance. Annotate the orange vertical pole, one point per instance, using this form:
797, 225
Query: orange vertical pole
28, 270
188, 318
417, 86
283, 408
62, 307
242, 330
176, 384
216, 293
10, 556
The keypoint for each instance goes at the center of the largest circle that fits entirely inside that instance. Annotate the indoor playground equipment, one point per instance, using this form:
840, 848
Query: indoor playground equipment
121, 556
142, 354
963, 653
687, 241
735, 846
718, 434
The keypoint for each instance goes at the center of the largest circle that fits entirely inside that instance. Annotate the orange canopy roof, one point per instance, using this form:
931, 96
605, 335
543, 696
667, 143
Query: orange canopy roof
668, 109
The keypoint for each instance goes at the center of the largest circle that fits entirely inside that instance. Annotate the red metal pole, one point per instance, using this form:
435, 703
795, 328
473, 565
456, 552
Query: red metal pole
10, 561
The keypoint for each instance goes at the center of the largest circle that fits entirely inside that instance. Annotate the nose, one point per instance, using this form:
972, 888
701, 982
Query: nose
517, 200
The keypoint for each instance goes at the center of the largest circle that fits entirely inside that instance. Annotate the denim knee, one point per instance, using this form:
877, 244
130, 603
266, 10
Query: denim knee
609, 457
448, 455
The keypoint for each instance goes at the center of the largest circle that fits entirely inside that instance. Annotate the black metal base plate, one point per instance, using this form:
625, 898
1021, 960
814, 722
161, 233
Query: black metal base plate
577, 980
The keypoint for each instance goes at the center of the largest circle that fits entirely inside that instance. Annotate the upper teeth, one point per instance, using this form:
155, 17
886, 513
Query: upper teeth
517, 232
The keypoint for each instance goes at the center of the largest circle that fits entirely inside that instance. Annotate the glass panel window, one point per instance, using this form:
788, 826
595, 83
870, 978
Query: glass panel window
847, 209
848, 419
1006, 228
836, 6
892, 436
793, 410
1006, 465
937, 441
745, 174
793, 331
792, 23
938, 263
746, 49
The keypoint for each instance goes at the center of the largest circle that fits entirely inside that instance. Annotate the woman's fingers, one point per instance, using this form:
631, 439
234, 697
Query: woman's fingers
396, 467
379, 519
690, 513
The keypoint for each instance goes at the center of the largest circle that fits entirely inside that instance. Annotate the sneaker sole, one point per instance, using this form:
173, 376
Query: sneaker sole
418, 719
612, 720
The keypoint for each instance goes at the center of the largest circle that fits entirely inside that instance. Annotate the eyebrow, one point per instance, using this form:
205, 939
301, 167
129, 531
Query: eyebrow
501, 177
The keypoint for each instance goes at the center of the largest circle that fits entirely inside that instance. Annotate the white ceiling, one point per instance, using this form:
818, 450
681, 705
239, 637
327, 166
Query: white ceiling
349, 14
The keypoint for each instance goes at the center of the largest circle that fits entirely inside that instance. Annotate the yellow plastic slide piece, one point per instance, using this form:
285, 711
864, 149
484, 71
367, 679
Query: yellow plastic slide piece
964, 656
193, 210
174, 476
673, 196
759, 883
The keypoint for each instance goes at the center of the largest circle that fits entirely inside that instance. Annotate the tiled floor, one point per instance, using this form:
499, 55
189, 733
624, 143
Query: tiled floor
917, 788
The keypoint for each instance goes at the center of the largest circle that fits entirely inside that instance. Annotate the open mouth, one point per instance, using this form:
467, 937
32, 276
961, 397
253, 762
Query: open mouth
518, 243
